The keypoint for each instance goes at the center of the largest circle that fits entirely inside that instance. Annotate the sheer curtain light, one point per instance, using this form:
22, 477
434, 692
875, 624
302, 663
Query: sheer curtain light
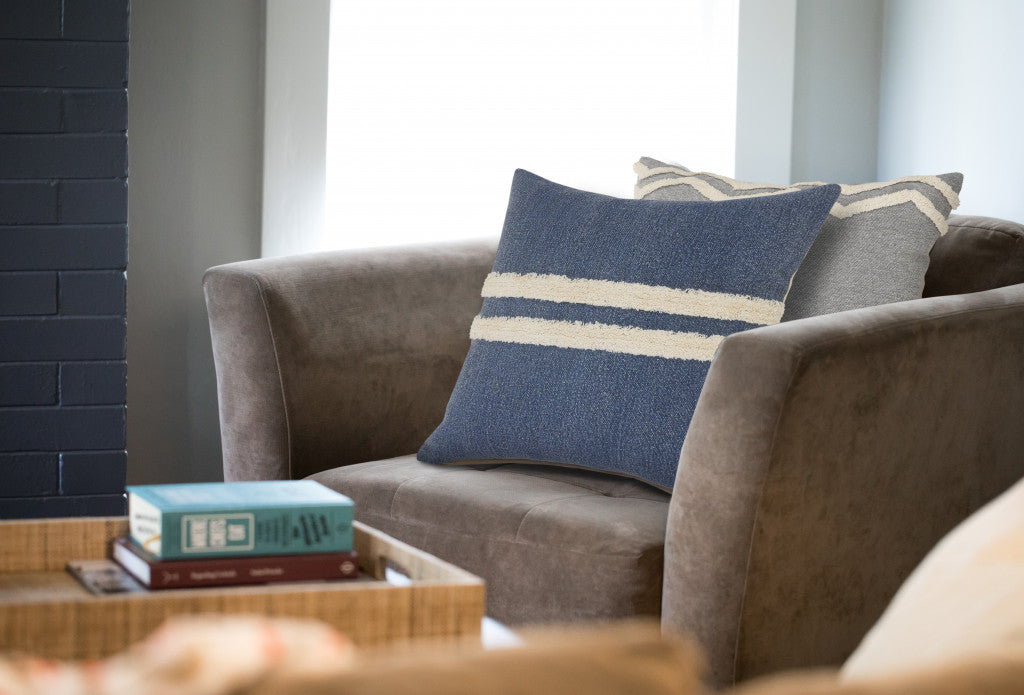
432, 104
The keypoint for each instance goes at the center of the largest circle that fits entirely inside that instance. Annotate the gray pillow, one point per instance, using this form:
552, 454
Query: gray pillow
872, 249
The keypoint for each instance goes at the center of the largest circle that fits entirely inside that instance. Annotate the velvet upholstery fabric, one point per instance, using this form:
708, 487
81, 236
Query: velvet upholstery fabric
552, 544
338, 357
826, 455
966, 599
978, 253
861, 438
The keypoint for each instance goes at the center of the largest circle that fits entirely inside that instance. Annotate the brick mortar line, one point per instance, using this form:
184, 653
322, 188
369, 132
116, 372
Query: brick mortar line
55, 407
53, 180
66, 41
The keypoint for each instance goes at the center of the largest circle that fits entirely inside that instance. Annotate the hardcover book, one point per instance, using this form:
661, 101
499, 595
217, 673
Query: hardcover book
268, 517
103, 577
154, 573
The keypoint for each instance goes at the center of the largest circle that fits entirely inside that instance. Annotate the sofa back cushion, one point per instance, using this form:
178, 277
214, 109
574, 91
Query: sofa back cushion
978, 253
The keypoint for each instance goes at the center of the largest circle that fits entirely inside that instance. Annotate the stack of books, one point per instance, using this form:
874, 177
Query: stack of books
221, 534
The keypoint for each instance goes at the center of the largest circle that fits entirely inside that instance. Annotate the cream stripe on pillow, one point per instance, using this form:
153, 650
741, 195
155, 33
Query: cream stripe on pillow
633, 295
645, 172
883, 201
838, 210
629, 340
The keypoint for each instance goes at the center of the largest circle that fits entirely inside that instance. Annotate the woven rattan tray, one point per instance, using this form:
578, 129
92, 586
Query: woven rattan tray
45, 611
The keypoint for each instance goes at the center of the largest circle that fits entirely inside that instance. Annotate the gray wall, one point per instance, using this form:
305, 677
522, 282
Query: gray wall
808, 90
879, 89
764, 90
837, 70
195, 155
952, 98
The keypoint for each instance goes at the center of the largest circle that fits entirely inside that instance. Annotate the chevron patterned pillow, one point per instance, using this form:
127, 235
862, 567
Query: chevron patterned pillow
600, 319
872, 249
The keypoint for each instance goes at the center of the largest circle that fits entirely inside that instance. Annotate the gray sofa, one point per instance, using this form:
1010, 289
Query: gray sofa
825, 458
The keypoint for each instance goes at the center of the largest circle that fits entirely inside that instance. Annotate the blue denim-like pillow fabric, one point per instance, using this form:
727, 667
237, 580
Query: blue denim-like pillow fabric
600, 319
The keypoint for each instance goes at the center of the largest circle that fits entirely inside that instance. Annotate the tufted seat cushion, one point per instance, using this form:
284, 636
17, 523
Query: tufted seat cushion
543, 530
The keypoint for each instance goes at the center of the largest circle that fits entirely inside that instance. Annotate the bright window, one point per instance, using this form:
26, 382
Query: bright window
432, 105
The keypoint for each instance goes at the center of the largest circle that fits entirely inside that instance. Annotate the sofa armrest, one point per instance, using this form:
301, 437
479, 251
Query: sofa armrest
826, 456
333, 358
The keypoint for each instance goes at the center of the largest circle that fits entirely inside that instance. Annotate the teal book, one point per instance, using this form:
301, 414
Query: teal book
267, 517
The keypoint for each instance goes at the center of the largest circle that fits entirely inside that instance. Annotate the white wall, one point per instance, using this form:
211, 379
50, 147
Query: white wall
195, 149
807, 102
845, 91
764, 90
295, 126
952, 98
838, 64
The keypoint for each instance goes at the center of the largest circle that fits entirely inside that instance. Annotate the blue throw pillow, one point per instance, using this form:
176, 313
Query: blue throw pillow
600, 319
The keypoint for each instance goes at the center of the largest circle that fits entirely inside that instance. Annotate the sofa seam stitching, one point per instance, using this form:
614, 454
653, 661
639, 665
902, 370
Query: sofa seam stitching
261, 291
597, 491
538, 505
798, 361
444, 529
394, 493
496, 464
914, 321
1012, 235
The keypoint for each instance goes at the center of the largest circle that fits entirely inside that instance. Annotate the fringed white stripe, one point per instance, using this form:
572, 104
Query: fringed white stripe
934, 181
883, 201
632, 295
595, 336
838, 210
645, 172
712, 193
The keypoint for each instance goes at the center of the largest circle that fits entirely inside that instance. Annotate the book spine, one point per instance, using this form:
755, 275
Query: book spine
182, 574
258, 531
145, 522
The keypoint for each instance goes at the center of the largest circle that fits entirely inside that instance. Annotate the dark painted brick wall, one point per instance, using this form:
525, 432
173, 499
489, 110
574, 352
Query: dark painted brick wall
63, 255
